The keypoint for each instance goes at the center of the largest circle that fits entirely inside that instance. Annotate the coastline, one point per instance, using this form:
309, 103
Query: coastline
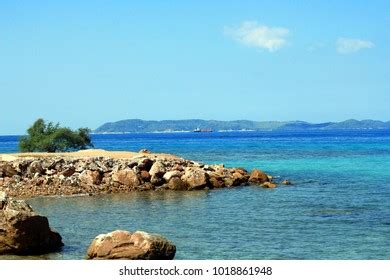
91, 172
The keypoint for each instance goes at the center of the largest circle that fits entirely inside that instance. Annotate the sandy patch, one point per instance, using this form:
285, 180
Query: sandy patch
87, 154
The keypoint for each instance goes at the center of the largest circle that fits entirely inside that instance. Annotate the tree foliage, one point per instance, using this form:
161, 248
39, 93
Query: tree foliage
52, 138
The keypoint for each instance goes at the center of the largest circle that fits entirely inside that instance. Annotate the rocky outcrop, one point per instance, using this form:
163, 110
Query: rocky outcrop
22, 231
258, 177
62, 175
139, 245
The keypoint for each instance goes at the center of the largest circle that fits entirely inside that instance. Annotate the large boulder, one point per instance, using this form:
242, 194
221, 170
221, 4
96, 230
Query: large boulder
140, 245
22, 231
91, 177
176, 184
196, 178
126, 177
157, 172
258, 177
158, 169
170, 174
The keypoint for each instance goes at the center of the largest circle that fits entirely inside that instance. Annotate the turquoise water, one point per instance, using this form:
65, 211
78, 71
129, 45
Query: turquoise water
338, 207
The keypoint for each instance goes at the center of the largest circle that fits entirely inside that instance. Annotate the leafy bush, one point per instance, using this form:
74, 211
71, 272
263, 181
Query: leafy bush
52, 138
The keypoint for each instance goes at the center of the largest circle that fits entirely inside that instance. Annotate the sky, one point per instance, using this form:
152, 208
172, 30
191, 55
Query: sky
84, 63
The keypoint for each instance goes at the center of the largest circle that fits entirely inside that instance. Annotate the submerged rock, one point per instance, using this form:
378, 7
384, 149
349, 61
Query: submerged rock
286, 182
139, 245
22, 231
268, 185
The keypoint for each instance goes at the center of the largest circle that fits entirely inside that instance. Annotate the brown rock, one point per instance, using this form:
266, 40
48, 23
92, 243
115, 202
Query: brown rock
268, 185
89, 177
35, 167
195, 178
68, 172
140, 245
146, 187
158, 169
145, 176
178, 167
3, 199
22, 231
144, 151
258, 177
176, 184
238, 179
286, 182
126, 177
228, 181
216, 180
157, 172
240, 170
174, 173
7, 170
145, 164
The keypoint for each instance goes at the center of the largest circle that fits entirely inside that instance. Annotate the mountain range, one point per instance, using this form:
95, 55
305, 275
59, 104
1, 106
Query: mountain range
142, 126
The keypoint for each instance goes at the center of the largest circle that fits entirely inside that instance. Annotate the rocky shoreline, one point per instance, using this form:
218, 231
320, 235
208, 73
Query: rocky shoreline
89, 174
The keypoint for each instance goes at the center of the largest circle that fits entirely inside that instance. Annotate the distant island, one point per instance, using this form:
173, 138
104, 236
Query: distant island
142, 126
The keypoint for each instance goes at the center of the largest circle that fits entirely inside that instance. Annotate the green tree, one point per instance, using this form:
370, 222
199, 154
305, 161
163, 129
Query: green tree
52, 138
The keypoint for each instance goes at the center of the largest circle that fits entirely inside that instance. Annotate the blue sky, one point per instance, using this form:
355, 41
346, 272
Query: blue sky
84, 64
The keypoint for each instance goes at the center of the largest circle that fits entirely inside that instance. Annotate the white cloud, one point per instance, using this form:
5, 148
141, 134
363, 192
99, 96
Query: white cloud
349, 45
252, 34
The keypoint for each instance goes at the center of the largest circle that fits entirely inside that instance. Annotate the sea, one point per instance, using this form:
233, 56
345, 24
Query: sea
337, 208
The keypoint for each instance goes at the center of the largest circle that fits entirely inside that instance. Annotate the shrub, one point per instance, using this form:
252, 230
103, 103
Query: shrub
52, 138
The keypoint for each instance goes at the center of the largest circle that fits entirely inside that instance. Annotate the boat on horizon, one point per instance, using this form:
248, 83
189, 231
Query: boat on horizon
202, 130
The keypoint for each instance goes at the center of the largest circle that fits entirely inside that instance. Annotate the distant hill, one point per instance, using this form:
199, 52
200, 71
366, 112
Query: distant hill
139, 126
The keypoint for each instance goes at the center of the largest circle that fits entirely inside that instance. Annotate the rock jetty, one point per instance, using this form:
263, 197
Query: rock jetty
22, 231
87, 172
139, 245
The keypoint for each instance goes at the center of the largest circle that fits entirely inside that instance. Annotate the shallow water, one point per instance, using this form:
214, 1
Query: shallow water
338, 207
